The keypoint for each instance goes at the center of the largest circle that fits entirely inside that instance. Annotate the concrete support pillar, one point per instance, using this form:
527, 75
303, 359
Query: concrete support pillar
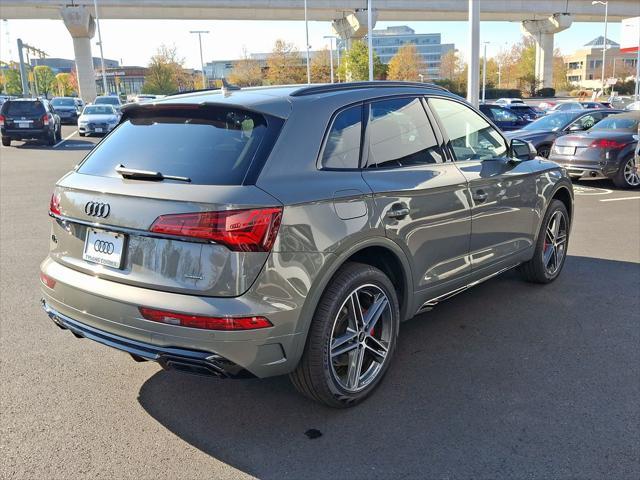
473, 74
542, 31
353, 26
81, 26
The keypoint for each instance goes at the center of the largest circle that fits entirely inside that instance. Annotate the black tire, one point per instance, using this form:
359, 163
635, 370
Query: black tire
536, 270
51, 138
59, 133
81, 134
6, 141
316, 375
544, 150
623, 178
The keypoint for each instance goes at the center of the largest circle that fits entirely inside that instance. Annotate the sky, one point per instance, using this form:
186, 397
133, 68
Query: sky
134, 41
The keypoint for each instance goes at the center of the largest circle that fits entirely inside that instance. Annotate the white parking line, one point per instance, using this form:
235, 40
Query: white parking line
618, 199
65, 139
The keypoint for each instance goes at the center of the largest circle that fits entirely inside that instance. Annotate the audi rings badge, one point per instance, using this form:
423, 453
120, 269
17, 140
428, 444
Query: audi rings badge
103, 247
97, 209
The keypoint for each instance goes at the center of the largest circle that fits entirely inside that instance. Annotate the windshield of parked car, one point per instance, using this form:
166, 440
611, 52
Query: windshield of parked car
107, 100
553, 122
63, 102
613, 123
99, 110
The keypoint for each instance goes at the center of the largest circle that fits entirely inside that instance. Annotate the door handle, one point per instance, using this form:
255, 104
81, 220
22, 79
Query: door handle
398, 210
480, 196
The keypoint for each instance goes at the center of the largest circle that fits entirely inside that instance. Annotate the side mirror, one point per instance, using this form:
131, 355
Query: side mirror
522, 150
576, 128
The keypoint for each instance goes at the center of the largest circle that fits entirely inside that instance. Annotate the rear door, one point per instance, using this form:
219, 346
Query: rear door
503, 193
419, 196
205, 229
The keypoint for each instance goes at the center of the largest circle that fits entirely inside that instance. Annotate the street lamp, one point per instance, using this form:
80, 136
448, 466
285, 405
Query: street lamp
370, 38
330, 37
200, 32
484, 72
104, 75
604, 46
306, 29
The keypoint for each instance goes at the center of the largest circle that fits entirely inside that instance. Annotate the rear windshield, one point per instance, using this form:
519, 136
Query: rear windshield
107, 101
63, 102
23, 108
613, 123
209, 145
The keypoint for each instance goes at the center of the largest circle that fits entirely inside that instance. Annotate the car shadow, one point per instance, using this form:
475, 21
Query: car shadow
506, 380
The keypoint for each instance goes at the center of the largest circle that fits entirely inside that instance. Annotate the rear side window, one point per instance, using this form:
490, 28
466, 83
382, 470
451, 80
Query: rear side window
400, 134
342, 147
23, 108
209, 145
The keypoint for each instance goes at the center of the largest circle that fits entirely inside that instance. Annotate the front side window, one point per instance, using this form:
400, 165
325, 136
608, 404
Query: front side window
470, 136
400, 134
342, 147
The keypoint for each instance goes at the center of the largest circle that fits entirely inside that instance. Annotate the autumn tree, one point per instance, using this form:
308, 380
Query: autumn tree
355, 64
285, 65
321, 67
12, 84
453, 72
246, 72
406, 64
44, 79
63, 84
165, 73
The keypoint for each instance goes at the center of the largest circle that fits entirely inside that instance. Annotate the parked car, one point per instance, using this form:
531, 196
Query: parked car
633, 106
67, 108
566, 106
509, 101
144, 98
544, 131
525, 111
503, 118
606, 150
546, 105
112, 100
291, 229
97, 119
587, 105
29, 119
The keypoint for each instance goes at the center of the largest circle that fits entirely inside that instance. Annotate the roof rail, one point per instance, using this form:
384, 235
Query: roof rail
336, 87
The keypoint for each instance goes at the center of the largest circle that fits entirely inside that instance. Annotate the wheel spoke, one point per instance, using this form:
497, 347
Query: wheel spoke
356, 311
556, 224
356, 358
344, 343
378, 350
547, 255
375, 312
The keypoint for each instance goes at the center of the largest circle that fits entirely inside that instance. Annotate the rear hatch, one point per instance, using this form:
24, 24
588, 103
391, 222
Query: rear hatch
167, 201
24, 114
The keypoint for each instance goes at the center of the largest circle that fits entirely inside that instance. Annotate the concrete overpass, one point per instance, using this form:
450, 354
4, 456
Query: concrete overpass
540, 18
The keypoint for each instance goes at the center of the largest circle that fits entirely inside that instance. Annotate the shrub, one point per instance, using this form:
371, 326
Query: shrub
546, 92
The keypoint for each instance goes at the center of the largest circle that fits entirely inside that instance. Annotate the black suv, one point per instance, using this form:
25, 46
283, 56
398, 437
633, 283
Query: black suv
28, 119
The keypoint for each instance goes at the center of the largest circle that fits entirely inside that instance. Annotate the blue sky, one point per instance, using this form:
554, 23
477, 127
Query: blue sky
134, 41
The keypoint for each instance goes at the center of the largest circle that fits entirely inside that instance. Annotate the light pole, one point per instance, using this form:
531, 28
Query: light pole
200, 32
104, 75
604, 46
421, 77
306, 29
484, 72
370, 38
330, 37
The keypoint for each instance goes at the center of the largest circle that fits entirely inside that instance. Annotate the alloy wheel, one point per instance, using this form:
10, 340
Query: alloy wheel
631, 173
361, 338
555, 243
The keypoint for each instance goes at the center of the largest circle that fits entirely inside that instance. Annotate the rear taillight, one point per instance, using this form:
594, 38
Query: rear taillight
203, 322
239, 230
47, 280
2, 120
54, 204
605, 143
45, 119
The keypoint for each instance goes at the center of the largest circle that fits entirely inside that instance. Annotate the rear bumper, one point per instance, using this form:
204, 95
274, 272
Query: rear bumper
107, 312
24, 133
192, 361
585, 169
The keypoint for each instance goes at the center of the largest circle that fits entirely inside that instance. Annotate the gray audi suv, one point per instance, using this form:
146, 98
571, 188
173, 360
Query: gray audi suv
290, 230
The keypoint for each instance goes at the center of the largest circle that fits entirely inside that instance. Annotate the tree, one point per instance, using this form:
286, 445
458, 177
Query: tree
246, 72
12, 82
453, 72
355, 64
45, 79
285, 65
165, 73
63, 84
321, 67
406, 64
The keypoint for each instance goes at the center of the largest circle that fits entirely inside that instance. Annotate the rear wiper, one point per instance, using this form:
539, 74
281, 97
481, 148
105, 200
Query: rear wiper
136, 174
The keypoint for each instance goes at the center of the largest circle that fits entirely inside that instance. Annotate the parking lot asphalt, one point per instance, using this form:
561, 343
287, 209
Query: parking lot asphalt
508, 380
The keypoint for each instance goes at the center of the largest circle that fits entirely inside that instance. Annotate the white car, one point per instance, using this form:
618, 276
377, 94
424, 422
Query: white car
509, 101
633, 106
97, 119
